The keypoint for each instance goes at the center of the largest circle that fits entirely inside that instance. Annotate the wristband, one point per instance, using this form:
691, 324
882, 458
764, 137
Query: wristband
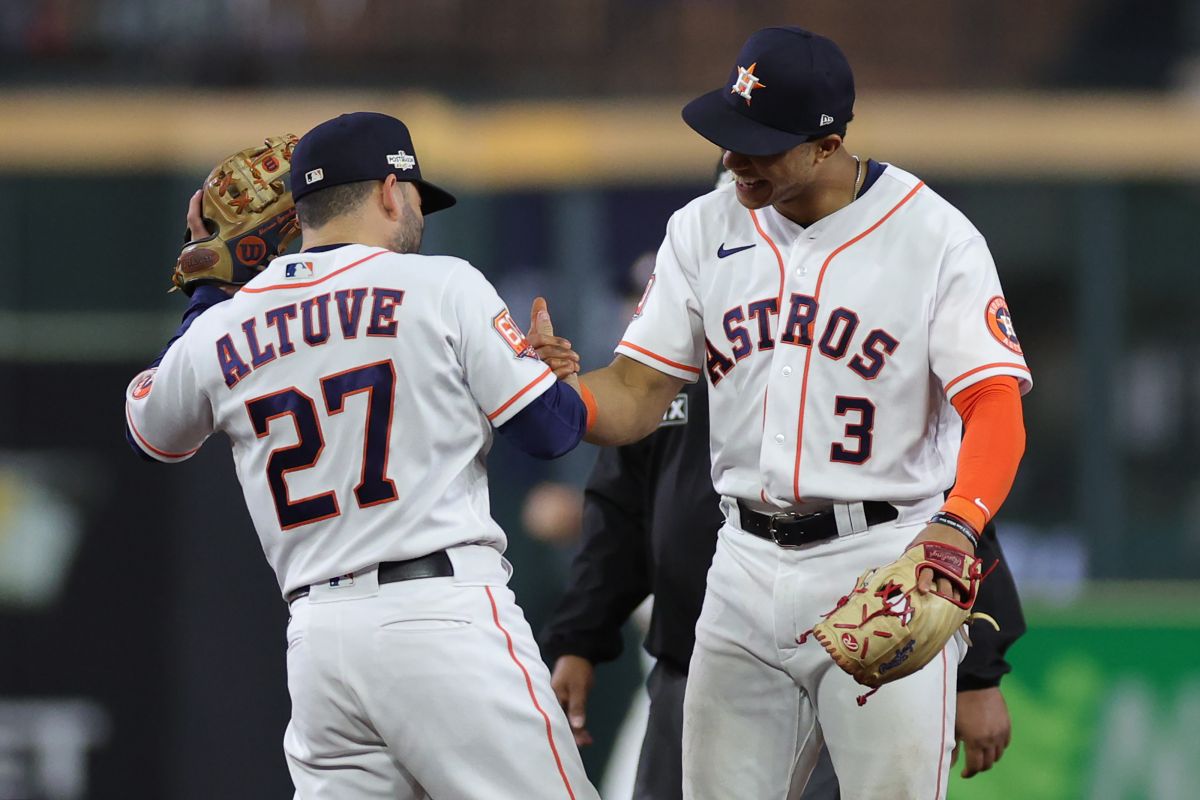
949, 520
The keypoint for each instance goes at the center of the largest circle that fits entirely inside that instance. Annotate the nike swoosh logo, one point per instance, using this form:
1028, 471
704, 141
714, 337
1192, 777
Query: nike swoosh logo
723, 253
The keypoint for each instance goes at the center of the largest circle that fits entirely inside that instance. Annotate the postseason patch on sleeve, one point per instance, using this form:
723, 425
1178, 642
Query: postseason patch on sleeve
999, 322
510, 332
142, 384
637, 312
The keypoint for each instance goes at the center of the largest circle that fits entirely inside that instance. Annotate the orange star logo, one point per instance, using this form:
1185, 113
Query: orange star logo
747, 82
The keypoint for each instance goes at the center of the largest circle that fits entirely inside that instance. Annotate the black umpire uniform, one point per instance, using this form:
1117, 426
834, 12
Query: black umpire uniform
650, 525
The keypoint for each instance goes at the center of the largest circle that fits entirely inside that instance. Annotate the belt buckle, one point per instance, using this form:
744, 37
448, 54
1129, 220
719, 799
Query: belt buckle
791, 517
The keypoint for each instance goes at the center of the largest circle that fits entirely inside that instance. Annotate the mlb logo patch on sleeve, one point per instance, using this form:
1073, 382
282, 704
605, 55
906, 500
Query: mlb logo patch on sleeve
298, 269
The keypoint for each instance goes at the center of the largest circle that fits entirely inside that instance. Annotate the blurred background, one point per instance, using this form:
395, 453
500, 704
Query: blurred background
141, 633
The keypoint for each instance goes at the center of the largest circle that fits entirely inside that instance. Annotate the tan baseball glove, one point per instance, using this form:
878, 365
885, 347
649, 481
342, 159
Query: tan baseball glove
248, 209
886, 629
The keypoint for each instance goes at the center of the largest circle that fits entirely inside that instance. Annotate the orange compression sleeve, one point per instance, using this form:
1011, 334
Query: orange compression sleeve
589, 402
992, 446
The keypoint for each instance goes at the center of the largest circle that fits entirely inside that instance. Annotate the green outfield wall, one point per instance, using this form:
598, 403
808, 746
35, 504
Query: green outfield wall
1105, 700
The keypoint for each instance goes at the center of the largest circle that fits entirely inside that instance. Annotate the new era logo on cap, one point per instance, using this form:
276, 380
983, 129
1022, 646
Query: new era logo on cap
402, 160
314, 175
826, 120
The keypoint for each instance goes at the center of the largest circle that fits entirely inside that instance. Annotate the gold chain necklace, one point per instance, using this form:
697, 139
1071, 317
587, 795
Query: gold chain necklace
857, 177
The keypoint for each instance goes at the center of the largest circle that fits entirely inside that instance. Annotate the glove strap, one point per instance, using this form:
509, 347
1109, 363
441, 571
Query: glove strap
949, 520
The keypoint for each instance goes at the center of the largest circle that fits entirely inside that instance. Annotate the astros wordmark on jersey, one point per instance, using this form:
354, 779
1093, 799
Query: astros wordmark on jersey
832, 350
391, 364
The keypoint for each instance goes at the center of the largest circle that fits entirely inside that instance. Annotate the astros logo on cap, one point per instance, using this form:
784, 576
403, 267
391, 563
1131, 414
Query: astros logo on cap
747, 82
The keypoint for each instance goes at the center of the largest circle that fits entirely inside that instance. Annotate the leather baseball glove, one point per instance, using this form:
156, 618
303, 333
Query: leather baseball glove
248, 209
886, 629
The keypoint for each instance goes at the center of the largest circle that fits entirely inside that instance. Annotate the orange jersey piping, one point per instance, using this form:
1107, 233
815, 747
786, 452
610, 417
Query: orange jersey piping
779, 307
971, 372
657, 357
808, 354
942, 746
517, 396
338, 271
142, 440
562, 773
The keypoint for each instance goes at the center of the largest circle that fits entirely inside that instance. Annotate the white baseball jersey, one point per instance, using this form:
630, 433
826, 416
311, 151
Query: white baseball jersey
359, 388
832, 351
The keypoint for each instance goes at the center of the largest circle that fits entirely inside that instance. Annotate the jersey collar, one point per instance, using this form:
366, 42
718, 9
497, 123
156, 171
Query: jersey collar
322, 248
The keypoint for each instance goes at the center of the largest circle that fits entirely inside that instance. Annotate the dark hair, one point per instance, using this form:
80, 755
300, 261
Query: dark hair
319, 208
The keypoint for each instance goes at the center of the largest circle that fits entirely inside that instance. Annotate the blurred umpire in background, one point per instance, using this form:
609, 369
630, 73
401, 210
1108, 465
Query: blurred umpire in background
650, 525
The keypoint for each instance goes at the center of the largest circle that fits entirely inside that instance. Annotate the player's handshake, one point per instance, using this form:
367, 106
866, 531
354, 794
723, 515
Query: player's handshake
554, 350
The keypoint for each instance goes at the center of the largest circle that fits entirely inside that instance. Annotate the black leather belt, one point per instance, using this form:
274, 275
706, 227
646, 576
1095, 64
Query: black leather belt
794, 530
434, 565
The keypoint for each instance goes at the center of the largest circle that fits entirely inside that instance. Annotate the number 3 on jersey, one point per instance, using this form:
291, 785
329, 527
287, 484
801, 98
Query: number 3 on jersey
861, 430
378, 380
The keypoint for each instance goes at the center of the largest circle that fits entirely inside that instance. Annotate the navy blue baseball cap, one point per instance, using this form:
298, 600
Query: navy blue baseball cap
787, 87
363, 146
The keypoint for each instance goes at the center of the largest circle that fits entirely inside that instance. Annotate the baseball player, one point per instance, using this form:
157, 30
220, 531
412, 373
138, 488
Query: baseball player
650, 527
359, 384
861, 360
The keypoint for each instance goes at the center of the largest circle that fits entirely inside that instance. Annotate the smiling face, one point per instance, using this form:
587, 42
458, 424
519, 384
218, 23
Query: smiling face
809, 181
773, 180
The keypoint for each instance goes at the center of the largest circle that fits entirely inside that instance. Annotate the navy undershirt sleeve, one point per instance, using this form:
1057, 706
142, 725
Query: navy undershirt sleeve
203, 298
551, 425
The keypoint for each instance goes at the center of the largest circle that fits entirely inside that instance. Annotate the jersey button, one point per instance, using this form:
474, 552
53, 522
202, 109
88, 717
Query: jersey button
779, 438
787, 371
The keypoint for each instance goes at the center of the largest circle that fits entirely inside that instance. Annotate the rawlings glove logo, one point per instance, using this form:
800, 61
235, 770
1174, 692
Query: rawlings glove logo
901, 656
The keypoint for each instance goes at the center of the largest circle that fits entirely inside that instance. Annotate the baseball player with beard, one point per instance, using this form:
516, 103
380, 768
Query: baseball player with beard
359, 384
860, 361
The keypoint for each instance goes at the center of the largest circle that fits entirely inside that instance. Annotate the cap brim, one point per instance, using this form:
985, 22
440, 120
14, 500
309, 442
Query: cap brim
716, 119
433, 198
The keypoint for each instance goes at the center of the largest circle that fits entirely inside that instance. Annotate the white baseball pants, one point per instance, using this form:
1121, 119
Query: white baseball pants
759, 706
430, 688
